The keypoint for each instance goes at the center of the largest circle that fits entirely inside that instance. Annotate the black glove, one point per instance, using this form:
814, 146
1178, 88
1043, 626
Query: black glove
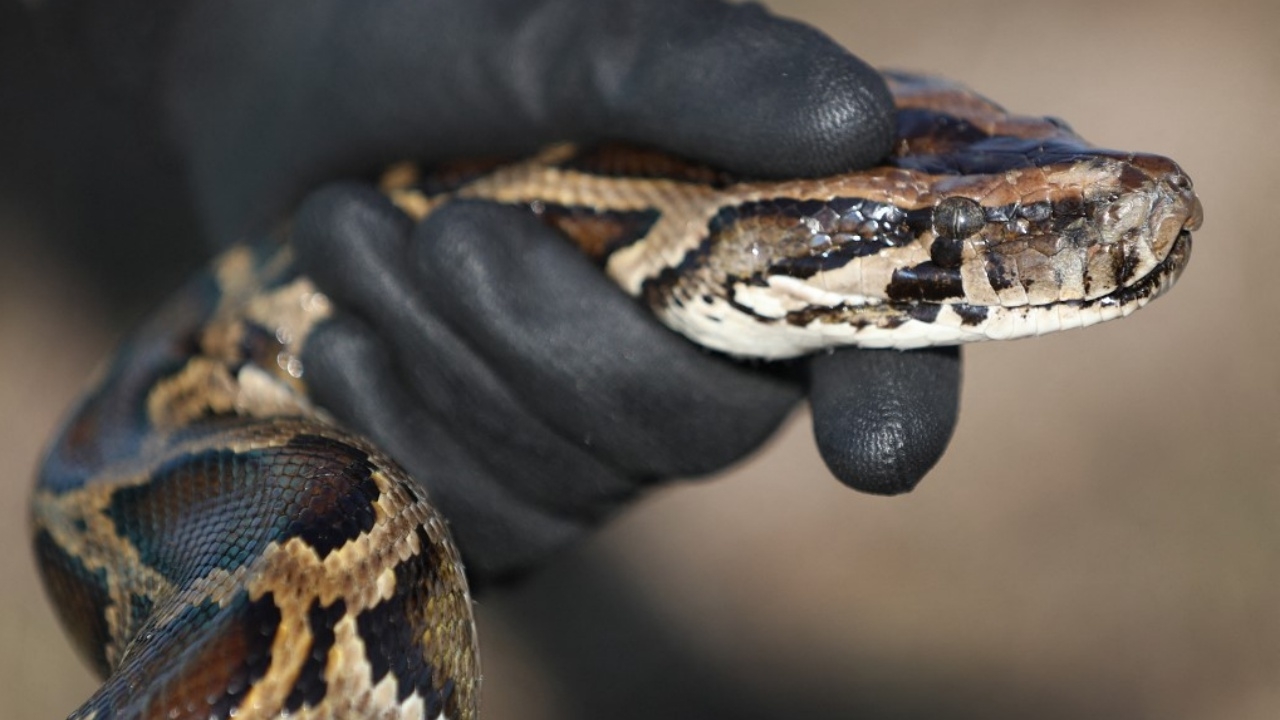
499, 366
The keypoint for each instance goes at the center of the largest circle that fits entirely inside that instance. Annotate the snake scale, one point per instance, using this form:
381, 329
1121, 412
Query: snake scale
218, 547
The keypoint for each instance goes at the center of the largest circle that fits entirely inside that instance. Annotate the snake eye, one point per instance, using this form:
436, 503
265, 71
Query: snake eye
956, 218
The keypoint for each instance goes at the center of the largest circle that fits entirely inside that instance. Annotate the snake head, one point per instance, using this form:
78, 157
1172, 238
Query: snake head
982, 225
1054, 231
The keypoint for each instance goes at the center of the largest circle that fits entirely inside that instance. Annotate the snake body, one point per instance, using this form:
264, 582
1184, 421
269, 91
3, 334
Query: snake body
218, 546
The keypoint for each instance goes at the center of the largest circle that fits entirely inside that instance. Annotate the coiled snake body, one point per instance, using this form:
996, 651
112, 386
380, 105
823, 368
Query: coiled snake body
218, 546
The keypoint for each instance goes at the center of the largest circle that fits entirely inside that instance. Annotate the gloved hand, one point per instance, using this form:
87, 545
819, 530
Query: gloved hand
502, 369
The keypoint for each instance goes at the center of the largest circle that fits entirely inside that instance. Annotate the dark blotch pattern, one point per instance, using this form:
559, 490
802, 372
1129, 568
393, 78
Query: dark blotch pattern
629, 161
999, 272
1127, 264
852, 226
218, 673
971, 314
995, 155
946, 252
599, 233
451, 176
807, 237
393, 648
111, 424
926, 281
925, 312
218, 508
259, 346
943, 144
339, 507
929, 131
140, 609
310, 687
80, 596
201, 665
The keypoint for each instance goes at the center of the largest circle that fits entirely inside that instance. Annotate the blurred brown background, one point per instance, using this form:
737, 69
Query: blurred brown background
1102, 540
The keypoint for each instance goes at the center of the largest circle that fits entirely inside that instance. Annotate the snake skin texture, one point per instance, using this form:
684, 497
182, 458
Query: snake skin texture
218, 546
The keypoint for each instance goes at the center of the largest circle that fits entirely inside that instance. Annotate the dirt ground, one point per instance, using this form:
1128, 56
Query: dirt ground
1103, 538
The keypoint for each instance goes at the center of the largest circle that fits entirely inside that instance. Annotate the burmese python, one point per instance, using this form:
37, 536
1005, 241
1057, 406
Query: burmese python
218, 547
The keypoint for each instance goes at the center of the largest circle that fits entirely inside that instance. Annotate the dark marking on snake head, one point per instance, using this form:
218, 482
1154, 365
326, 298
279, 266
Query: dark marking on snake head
1001, 272
1000, 213
1069, 208
971, 315
1153, 283
929, 132
806, 237
924, 312
1133, 179
946, 252
1081, 234
1001, 154
926, 281
1035, 212
1127, 264
828, 315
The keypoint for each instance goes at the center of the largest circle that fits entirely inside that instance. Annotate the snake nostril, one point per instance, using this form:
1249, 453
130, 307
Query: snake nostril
1180, 181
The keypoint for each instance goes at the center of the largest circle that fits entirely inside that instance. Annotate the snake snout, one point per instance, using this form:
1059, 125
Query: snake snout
1195, 210
1174, 210
1173, 183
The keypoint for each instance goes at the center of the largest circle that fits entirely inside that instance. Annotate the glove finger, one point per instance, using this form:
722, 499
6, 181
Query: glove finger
883, 418
729, 84
498, 532
351, 241
266, 100
589, 359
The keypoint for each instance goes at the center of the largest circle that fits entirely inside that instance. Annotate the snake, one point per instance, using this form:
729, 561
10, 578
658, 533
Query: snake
218, 546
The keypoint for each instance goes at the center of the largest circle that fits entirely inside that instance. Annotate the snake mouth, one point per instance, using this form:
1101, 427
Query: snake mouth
1153, 284
1006, 323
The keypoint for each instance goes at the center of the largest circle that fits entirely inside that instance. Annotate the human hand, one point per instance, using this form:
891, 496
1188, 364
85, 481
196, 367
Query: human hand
509, 376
